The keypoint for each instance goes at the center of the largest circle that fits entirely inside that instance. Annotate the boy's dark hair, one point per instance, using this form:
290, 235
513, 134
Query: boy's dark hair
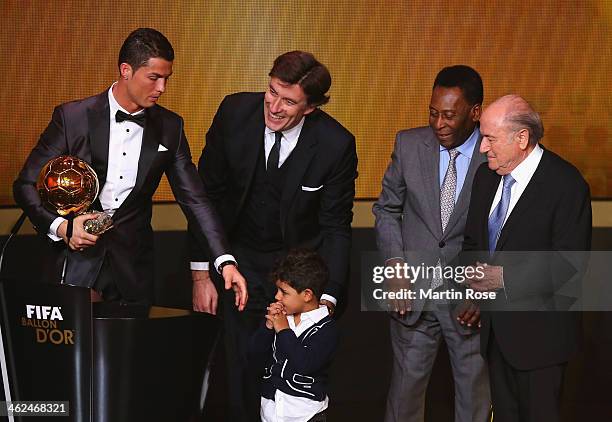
463, 77
300, 67
302, 269
143, 44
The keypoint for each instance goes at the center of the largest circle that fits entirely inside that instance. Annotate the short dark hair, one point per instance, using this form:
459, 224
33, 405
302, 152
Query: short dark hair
143, 44
465, 78
300, 67
302, 269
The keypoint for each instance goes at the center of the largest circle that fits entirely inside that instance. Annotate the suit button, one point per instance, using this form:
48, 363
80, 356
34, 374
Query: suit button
441, 244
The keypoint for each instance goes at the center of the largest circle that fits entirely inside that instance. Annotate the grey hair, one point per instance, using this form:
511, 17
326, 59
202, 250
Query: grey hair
522, 116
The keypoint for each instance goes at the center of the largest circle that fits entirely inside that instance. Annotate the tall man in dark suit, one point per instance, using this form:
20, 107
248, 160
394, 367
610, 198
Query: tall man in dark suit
421, 211
281, 173
526, 199
130, 141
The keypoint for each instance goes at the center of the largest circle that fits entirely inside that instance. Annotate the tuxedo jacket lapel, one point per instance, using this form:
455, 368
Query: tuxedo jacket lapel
151, 140
301, 156
98, 118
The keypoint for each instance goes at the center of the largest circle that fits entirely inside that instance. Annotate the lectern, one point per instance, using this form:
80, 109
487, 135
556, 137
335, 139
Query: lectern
109, 362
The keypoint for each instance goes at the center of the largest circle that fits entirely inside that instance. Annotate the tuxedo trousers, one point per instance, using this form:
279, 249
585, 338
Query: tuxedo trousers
106, 283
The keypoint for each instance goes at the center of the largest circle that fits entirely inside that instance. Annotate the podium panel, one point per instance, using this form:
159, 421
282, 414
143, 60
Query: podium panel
149, 364
47, 337
109, 362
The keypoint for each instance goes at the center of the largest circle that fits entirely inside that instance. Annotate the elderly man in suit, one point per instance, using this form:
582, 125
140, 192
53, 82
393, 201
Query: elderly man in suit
130, 141
525, 199
422, 210
281, 173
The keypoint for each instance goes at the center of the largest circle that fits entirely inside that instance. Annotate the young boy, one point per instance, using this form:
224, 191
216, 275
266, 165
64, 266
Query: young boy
297, 343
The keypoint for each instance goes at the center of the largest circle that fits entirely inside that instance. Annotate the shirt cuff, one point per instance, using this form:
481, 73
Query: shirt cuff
53, 229
198, 266
329, 299
220, 260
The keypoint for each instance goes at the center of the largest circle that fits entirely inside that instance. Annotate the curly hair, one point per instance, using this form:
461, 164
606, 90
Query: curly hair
302, 269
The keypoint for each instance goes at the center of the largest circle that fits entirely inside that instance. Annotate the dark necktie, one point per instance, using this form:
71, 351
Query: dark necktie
139, 118
274, 152
497, 217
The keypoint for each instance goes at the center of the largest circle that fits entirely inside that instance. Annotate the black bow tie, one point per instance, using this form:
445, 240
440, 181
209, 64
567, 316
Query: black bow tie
139, 118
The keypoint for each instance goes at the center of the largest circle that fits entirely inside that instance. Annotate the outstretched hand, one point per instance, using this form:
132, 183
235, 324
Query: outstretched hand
235, 281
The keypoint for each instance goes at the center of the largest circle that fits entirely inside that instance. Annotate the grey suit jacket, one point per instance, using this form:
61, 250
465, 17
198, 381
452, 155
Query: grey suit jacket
408, 210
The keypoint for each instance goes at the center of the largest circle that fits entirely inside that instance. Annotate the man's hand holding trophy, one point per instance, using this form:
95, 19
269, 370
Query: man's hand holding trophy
68, 186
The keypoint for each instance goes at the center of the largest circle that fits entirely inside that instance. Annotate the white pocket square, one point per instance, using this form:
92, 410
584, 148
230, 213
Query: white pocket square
162, 148
309, 189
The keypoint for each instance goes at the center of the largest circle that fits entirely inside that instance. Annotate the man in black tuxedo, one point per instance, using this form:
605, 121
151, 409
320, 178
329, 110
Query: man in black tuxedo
526, 199
130, 141
281, 173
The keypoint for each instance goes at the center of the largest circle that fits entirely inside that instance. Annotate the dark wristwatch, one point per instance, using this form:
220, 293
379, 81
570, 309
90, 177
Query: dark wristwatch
224, 263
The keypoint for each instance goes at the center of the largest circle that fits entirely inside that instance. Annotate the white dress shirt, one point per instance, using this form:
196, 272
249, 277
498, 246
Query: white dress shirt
124, 143
522, 175
288, 408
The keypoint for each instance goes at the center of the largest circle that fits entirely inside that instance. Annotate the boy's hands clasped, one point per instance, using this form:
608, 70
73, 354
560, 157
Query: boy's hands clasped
277, 317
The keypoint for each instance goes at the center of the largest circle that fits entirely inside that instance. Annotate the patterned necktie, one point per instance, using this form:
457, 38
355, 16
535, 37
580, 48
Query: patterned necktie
447, 202
497, 217
274, 152
448, 190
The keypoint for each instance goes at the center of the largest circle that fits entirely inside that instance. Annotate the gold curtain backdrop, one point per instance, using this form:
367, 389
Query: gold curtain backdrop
383, 56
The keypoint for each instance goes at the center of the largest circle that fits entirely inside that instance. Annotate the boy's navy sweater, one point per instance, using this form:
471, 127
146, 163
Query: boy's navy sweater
298, 366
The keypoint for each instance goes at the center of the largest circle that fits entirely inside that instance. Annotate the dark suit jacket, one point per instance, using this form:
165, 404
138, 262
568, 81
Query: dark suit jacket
552, 214
81, 128
325, 156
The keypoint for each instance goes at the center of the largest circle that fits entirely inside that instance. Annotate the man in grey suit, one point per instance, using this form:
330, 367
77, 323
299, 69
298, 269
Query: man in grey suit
422, 210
